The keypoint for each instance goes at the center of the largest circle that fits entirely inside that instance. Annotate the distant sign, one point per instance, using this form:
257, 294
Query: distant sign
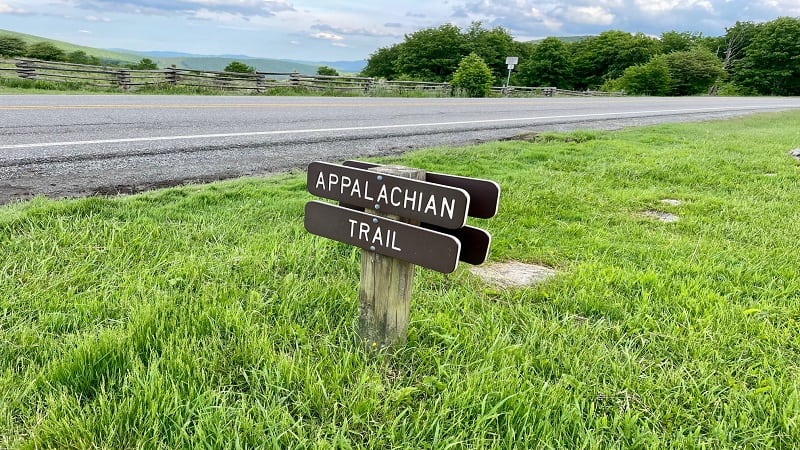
512, 61
423, 201
416, 245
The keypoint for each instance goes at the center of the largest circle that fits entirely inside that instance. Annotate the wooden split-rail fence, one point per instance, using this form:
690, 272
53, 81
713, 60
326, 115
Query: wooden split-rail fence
131, 79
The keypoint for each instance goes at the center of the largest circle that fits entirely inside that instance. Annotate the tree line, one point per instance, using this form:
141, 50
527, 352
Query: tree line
750, 59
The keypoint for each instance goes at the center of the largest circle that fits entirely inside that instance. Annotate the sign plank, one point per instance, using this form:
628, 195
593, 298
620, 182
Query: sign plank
475, 242
484, 194
419, 246
422, 201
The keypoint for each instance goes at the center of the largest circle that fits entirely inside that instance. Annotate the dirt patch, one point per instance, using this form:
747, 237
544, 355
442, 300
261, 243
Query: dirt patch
661, 216
513, 274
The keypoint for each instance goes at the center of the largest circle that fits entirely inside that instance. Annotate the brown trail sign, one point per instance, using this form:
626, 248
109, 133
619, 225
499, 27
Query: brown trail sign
484, 194
432, 203
430, 231
419, 246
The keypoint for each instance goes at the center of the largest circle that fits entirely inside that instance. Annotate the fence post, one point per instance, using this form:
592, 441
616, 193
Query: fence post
294, 79
124, 79
171, 75
386, 285
24, 70
261, 82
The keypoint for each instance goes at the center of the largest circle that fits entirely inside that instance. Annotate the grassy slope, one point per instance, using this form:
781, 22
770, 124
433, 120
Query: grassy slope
206, 317
67, 47
198, 62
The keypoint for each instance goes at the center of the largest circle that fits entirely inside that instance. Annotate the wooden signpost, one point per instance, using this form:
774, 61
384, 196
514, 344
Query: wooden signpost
401, 218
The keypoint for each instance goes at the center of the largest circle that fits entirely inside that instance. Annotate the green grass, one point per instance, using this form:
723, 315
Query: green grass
206, 317
20, 86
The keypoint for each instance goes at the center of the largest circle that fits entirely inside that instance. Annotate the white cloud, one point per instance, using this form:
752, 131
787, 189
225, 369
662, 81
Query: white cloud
351, 31
327, 36
589, 15
5, 8
205, 8
97, 19
784, 7
549, 22
657, 7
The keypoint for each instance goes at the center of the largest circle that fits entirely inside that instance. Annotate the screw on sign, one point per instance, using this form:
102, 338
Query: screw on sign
400, 217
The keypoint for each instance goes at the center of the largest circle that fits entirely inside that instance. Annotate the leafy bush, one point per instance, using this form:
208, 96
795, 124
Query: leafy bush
11, 46
239, 67
144, 64
46, 51
328, 71
693, 72
645, 79
473, 76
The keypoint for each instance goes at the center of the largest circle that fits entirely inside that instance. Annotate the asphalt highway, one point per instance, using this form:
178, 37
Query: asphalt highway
64, 146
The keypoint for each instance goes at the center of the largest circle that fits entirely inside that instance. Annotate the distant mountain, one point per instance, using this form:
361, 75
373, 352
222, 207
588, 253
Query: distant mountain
153, 54
340, 66
347, 66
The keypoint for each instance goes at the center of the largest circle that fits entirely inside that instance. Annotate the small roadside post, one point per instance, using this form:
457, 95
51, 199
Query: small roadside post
400, 217
511, 61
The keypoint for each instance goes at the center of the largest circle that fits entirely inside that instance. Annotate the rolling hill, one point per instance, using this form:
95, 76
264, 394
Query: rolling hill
189, 61
109, 56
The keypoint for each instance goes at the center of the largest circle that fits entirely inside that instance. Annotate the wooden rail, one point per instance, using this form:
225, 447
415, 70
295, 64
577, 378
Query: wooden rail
525, 91
131, 79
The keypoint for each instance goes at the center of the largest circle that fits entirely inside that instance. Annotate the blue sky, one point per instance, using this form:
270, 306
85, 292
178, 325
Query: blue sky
350, 30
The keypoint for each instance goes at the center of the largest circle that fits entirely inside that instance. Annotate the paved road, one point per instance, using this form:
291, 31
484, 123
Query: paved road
82, 145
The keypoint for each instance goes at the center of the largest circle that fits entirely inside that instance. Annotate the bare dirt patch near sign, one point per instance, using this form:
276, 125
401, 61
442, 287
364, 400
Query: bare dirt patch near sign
513, 274
661, 216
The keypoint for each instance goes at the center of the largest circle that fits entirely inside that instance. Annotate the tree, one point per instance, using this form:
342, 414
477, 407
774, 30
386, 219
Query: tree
673, 41
771, 65
45, 51
381, 64
606, 56
473, 76
737, 39
328, 71
549, 64
646, 79
493, 46
144, 64
11, 46
432, 54
79, 57
239, 67
693, 72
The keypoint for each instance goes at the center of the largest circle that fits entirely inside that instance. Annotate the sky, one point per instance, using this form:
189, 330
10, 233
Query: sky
336, 30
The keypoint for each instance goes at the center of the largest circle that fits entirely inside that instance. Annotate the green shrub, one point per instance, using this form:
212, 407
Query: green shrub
473, 76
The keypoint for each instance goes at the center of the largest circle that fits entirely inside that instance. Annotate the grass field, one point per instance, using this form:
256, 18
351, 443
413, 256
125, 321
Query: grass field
206, 317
